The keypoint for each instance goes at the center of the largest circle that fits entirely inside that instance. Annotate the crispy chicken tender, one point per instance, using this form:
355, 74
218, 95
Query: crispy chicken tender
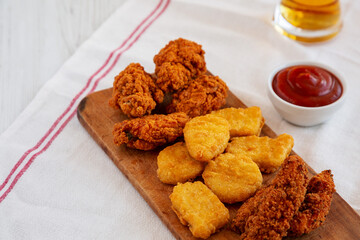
232, 178
150, 131
176, 165
203, 95
199, 208
243, 121
206, 137
135, 92
248, 209
268, 214
316, 206
180, 59
266, 152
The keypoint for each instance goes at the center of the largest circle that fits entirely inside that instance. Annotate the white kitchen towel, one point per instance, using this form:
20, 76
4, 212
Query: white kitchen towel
57, 183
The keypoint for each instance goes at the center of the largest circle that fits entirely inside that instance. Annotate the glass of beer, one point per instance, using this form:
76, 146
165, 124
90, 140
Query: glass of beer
308, 20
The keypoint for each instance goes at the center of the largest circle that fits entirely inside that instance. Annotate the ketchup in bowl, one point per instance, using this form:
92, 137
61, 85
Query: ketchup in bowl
307, 86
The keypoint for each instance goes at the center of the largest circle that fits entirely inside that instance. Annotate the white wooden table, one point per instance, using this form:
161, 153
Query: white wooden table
36, 38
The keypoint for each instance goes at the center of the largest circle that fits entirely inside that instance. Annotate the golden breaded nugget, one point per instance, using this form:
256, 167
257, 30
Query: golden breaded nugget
243, 121
176, 165
199, 208
266, 152
206, 136
233, 178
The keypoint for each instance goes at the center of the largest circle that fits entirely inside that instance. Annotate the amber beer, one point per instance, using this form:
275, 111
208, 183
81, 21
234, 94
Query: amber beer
311, 14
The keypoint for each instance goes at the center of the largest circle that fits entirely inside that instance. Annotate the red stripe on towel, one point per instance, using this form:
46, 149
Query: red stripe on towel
51, 129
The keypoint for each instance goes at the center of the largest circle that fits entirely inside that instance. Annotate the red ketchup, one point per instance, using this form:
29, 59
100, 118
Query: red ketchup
307, 86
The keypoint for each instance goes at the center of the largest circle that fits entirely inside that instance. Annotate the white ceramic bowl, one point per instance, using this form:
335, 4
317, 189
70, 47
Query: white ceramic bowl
305, 116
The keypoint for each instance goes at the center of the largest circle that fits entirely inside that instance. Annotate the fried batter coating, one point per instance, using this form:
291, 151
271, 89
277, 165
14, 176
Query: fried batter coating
150, 131
316, 206
243, 121
206, 137
199, 208
135, 92
203, 95
232, 178
248, 209
177, 53
172, 77
268, 214
176, 165
266, 152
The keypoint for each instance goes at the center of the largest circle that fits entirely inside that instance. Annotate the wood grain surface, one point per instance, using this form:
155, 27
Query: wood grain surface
36, 38
140, 168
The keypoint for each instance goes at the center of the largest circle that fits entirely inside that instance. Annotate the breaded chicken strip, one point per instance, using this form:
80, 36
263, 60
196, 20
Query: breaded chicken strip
135, 92
203, 95
151, 131
268, 214
249, 208
316, 205
177, 63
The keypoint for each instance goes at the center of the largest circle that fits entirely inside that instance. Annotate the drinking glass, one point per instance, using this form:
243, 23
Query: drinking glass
308, 20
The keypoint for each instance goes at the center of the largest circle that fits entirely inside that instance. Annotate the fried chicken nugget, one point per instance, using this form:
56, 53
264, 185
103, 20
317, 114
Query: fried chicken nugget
176, 165
199, 208
177, 63
206, 137
233, 178
203, 95
266, 152
150, 131
316, 206
135, 92
268, 214
243, 121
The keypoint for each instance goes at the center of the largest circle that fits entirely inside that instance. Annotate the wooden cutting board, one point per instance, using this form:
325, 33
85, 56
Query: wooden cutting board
140, 168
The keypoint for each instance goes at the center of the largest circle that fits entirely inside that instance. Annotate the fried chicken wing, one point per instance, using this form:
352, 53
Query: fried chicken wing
203, 95
150, 131
172, 76
316, 206
135, 92
177, 63
269, 213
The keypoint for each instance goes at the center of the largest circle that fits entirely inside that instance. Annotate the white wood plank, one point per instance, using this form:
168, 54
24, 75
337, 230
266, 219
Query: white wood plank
36, 38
